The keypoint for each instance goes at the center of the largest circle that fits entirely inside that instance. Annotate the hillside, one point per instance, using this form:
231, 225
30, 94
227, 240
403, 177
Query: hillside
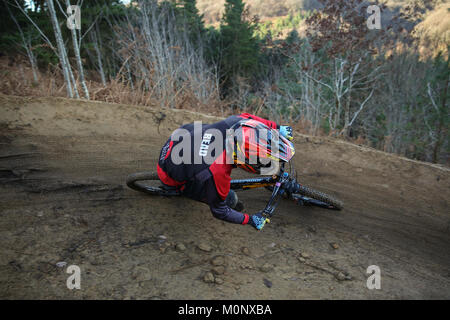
63, 198
266, 9
213, 10
434, 30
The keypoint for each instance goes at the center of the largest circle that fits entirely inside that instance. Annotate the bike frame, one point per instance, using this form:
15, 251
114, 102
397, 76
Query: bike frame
276, 181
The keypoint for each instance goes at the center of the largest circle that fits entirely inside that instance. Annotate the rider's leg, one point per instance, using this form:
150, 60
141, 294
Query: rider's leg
232, 199
233, 202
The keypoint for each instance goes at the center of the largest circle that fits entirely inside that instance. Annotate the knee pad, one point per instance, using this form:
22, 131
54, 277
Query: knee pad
232, 199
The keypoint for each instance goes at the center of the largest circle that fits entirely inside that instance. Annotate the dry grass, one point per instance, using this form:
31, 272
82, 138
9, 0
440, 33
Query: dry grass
17, 79
434, 31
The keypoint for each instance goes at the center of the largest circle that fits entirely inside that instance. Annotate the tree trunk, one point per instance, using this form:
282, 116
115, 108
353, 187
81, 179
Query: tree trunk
72, 77
99, 56
61, 48
76, 49
32, 59
437, 146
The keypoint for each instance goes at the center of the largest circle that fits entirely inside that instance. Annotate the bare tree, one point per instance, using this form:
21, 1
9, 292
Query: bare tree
339, 31
26, 44
76, 49
95, 41
62, 53
303, 94
157, 52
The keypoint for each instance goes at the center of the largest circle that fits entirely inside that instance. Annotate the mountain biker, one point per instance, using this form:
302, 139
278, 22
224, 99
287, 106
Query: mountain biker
209, 182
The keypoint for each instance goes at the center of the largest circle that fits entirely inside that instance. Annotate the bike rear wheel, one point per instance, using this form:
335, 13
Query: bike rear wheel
148, 182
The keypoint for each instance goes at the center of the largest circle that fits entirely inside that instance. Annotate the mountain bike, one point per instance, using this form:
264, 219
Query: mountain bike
282, 185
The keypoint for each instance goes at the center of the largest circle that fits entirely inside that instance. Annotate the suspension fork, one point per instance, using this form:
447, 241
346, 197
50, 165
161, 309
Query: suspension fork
276, 195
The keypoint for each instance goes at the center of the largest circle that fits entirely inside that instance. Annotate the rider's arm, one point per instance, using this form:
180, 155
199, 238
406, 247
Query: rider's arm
219, 208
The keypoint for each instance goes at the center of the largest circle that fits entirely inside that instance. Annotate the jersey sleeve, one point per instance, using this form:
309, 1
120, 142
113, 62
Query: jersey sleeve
219, 208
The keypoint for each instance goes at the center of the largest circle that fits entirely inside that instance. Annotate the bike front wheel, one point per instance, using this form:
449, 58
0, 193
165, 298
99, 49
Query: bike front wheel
317, 198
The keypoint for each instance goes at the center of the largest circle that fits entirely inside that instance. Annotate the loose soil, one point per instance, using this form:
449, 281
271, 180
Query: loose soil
64, 201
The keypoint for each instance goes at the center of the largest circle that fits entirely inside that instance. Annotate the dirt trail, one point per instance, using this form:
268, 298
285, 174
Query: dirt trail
62, 199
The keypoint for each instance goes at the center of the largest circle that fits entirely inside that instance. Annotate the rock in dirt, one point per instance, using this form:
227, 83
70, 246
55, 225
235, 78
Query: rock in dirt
218, 270
246, 265
334, 245
180, 247
304, 255
245, 251
301, 259
340, 276
218, 261
209, 277
204, 247
266, 267
267, 283
218, 280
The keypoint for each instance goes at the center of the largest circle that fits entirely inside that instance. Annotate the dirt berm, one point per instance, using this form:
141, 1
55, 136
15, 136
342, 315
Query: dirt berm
63, 201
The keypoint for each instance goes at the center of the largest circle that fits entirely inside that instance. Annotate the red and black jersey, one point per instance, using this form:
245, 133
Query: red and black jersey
200, 179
